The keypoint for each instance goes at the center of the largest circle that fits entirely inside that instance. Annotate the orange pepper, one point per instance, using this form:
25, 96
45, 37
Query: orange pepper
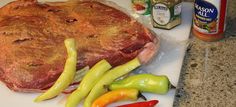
116, 95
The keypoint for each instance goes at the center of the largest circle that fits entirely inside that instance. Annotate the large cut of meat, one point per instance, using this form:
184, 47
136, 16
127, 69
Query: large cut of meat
32, 51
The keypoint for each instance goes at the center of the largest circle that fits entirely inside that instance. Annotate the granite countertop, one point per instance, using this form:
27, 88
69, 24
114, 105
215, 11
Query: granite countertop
208, 76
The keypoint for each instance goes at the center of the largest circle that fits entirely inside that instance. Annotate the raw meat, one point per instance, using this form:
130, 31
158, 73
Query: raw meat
31, 40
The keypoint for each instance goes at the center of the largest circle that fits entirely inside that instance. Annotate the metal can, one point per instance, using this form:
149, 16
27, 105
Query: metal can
166, 14
142, 7
209, 19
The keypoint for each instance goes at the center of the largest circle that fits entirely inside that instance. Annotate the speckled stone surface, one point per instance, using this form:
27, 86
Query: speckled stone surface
208, 76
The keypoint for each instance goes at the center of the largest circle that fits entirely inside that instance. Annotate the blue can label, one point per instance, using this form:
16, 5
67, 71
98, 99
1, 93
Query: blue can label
206, 16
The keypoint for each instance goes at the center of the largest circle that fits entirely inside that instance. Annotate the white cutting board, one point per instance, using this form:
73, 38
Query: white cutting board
170, 58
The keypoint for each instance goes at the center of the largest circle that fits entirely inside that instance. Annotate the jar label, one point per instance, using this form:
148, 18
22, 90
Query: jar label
141, 6
166, 14
206, 17
177, 9
161, 14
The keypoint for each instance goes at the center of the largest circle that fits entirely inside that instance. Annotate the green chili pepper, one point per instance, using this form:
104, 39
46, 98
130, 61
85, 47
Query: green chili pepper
108, 78
79, 74
87, 83
67, 75
144, 83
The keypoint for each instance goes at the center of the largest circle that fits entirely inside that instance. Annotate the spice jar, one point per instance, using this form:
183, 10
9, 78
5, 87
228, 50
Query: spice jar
166, 14
209, 19
141, 6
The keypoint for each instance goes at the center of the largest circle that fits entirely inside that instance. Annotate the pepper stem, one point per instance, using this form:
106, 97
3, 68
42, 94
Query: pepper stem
140, 95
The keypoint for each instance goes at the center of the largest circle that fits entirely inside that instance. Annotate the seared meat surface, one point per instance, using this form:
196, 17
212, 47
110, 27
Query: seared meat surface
31, 40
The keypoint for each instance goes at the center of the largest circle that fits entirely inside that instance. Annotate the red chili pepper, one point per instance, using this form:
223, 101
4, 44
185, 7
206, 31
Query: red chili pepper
150, 103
